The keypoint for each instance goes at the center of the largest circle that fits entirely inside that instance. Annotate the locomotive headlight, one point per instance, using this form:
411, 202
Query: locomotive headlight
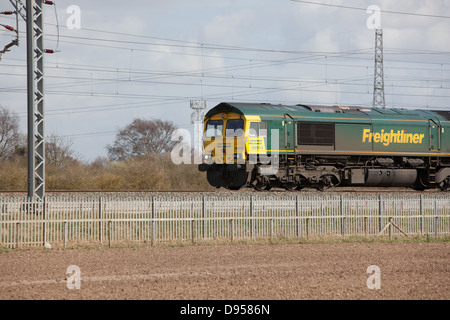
239, 157
208, 159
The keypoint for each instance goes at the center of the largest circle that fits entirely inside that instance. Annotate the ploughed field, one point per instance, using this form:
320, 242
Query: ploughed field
241, 271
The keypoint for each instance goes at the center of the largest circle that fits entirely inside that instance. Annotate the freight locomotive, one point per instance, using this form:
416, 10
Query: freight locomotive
297, 146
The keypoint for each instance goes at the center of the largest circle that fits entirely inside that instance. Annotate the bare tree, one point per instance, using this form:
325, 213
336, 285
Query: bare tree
142, 137
9, 132
58, 151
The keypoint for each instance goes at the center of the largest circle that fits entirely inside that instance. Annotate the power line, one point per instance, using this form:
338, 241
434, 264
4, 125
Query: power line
240, 48
348, 81
365, 9
148, 74
161, 74
88, 81
204, 45
264, 63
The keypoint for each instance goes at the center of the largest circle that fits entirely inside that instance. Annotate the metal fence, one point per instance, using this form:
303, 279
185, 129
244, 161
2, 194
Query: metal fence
63, 221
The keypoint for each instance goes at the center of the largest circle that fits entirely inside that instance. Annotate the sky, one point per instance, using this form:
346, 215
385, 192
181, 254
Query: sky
121, 60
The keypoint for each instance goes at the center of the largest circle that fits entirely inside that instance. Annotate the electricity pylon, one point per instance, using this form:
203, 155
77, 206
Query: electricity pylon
198, 107
32, 14
35, 99
378, 81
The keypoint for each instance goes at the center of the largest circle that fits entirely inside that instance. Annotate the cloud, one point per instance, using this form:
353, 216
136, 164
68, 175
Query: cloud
230, 29
159, 66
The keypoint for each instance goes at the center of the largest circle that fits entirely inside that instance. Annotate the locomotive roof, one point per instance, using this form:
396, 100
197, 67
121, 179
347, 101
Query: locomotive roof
266, 109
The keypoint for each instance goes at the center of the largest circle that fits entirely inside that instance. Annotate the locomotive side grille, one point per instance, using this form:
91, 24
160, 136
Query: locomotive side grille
310, 133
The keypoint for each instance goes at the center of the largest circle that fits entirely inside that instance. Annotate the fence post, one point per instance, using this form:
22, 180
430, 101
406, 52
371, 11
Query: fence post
44, 217
153, 222
203, 217
307, 228
193, 231
390, 227
232, 230
251, 217
109, 233
380, 211
2, 210
297, 225
271, 229
365, 226
65, 234
421, 213
341, 213
100, 205
436, 226
16, 240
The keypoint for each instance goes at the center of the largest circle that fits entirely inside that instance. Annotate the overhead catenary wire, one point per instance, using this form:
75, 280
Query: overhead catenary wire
268, 58
263, 63
186, 74
351, 82
199, 46
318, 83
365, 9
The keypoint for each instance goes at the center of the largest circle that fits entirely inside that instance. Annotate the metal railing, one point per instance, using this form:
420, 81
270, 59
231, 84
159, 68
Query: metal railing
155, 219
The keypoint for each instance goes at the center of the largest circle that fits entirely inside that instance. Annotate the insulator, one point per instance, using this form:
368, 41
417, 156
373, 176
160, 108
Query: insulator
49, 51
7, 12
8, 27
49, 2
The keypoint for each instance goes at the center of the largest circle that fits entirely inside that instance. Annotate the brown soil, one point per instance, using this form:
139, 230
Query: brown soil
225, 272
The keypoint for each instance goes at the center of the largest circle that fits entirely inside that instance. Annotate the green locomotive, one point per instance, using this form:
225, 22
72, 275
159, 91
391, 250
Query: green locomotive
266, 145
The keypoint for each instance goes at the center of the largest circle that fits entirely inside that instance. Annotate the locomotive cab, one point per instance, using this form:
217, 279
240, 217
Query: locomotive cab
223, 139
230, 141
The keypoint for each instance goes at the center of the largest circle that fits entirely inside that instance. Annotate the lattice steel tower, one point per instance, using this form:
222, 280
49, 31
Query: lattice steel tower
35, 63
198, 107
32, 13
378, 81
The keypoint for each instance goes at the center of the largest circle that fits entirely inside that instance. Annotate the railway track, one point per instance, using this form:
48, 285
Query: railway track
242, 191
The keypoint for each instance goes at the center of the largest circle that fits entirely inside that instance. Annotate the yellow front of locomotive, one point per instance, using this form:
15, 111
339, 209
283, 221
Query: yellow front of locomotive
224, 139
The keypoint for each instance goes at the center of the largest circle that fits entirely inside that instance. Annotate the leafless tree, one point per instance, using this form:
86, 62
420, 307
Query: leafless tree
142, 137
9, 132
58, 151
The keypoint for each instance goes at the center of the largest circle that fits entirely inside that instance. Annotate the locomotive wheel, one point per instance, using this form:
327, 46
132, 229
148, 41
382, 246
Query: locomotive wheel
259, 185
301, 184
290, 186
325, 183
445, 185
418, 186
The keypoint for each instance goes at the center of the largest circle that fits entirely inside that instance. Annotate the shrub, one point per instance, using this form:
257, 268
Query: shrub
13, 175
149, 172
